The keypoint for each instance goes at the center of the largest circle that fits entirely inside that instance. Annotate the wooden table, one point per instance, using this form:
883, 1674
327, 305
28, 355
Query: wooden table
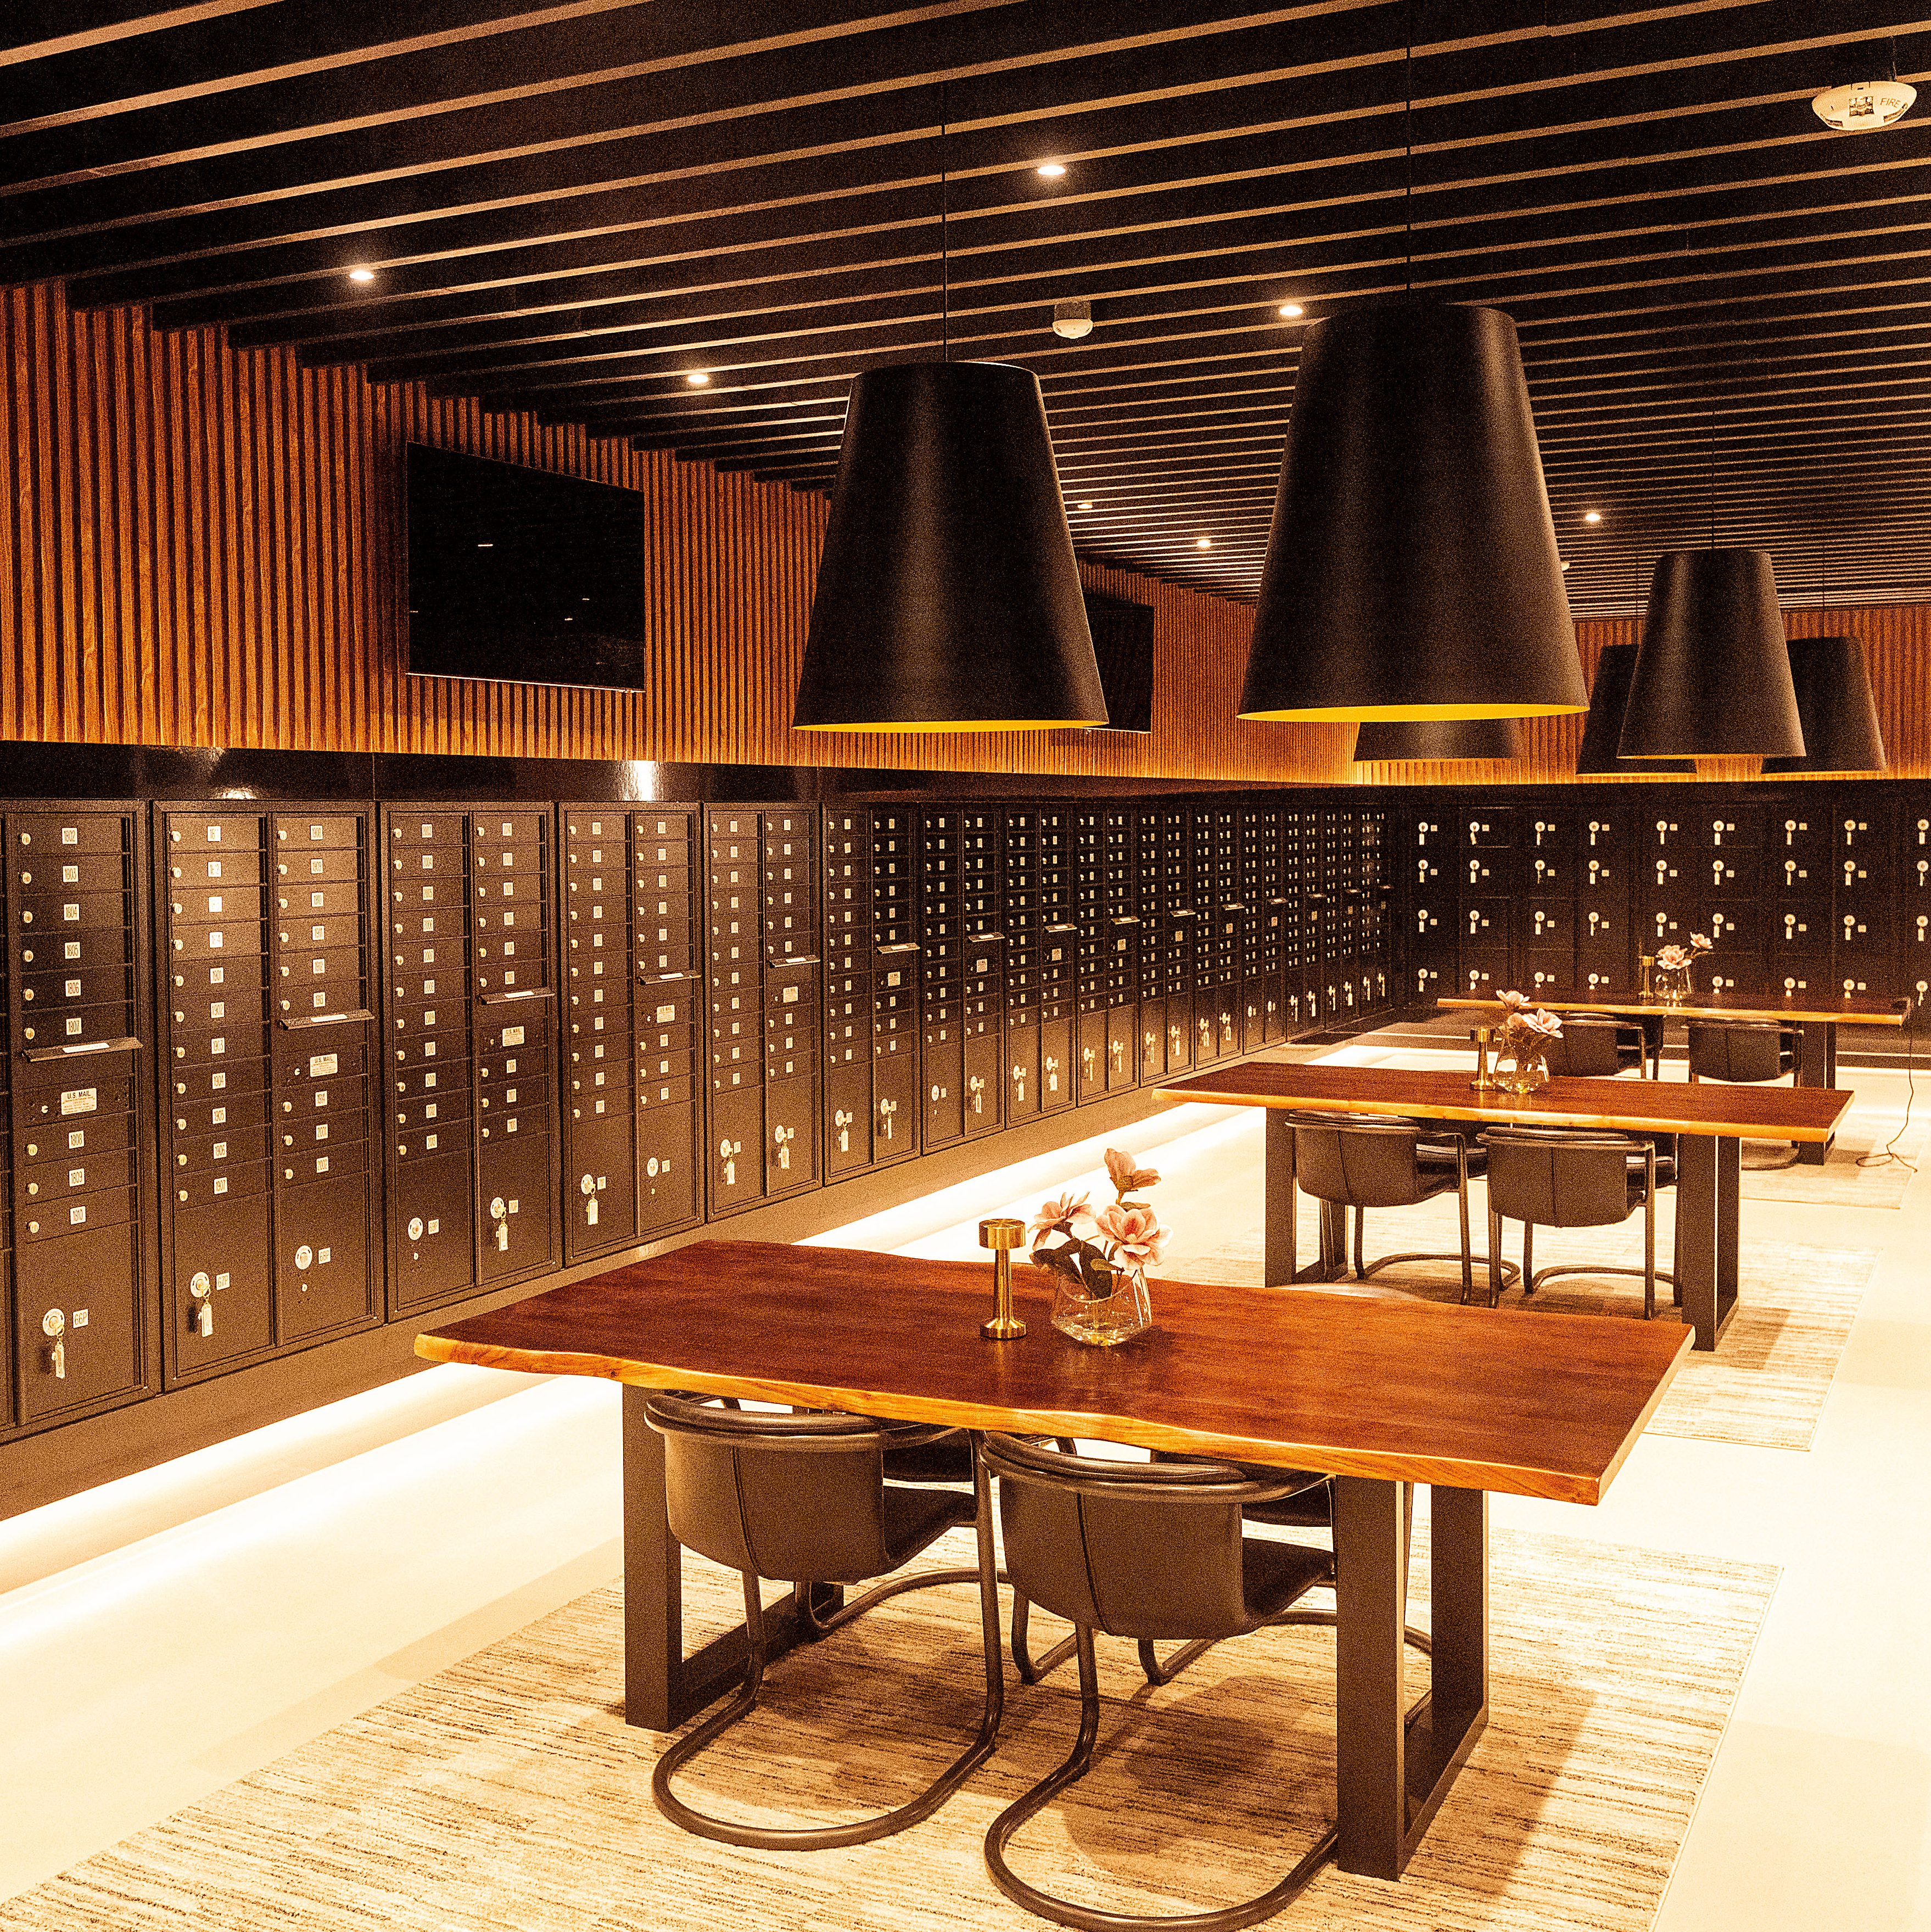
1379, 1390
1816, 1022
1711, 1121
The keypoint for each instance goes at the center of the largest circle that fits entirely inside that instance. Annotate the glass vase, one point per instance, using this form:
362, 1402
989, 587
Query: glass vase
1527, 1071
1673, 984
1111, 1307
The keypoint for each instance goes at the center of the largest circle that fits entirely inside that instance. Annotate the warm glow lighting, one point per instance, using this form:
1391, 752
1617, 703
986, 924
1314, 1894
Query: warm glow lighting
1592, 516
1082, 506
1292, 311
361, 274
1202, 543
698, 378
1565, 563
1051, 170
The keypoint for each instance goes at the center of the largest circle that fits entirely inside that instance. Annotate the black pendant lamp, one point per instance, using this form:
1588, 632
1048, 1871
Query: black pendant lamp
1841, 733
948, 598
1712, 677
1446, 739
1412, 571
1608, 698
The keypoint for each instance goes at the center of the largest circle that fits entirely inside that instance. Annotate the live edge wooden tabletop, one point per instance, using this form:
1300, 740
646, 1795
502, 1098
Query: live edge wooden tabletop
1363, 1384
1848, 1010
1646, 1106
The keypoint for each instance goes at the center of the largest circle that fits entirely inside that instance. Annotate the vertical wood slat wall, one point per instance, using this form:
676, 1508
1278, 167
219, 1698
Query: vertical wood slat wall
200, 546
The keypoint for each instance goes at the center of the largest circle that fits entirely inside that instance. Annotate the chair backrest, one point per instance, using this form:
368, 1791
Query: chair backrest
1555, 1177
1737, 1050
1587, 1046
795, 1497
1134, 1549
1360, 1160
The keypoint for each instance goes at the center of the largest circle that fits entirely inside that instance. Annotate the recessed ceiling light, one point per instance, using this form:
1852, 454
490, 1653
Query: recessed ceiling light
1051, 170
1565, 563
361, 274
1082, 506
1292, 311
1202, 543
1592, 516
698, 378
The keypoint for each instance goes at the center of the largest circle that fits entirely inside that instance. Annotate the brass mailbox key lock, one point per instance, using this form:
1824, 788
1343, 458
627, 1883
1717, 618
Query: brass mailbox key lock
1002, 1236
201, 1290
500, 1214
53, 1326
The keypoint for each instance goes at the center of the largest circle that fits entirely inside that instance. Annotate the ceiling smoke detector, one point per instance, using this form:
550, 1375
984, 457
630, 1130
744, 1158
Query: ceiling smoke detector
1073, 319
1868, 95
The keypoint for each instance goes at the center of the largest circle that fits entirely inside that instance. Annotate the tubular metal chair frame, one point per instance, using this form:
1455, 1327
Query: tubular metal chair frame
1166, 1483
1786, 1043
820, 1433
1532, 1278
1374, 1123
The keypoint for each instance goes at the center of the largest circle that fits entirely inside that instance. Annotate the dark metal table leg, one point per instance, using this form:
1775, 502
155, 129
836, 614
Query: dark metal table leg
1393, 1766
1370, 1608
1816, 1066
1708, 1174
662, 1686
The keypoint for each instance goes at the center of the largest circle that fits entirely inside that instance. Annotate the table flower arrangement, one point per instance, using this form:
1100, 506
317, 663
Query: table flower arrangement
1102, 1297
1526, 1030
1676, 966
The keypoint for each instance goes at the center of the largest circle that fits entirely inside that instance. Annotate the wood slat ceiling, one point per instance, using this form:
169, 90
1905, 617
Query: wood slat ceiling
1724, 307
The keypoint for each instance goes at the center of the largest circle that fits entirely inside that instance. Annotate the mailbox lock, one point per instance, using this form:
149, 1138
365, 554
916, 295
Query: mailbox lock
53, 1326
201, 1290
416, 1227
305, 1256
499, 1213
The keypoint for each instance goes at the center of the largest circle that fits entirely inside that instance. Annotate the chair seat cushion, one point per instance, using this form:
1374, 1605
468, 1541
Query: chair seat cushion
1273, 1575
915, 1519
1437, 1157
947, 1459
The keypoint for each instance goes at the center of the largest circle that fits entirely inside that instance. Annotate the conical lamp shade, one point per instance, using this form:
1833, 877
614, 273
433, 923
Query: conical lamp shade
1840, 714
1412, 570
1608, 698
1438, 738
948, 599
1712, 677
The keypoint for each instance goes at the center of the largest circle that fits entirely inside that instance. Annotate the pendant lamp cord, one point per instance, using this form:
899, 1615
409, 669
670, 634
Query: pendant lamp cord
945, 257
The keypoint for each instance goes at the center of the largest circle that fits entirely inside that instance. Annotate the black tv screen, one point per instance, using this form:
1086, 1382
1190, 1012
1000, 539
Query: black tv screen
521, 575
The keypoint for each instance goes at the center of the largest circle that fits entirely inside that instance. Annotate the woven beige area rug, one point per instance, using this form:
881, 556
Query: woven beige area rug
1840, 1182
1765, 1386
507, 1795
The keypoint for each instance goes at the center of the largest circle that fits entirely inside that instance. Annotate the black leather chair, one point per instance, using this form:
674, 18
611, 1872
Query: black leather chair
1149, 1551
802, 1497
1596, 1046
1740, 1050
1558, 1178
1371, 1160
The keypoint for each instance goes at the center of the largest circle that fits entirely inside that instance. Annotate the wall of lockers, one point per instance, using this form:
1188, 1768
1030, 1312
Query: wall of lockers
281, 1068
1818, 887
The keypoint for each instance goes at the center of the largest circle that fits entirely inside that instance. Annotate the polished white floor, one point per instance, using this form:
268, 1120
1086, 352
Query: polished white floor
161, 1636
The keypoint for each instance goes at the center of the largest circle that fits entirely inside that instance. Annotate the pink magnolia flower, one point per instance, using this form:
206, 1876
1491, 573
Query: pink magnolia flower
1672, 958
1134, 1233
1057, 1217
1516, 1003
1126, 1174
1700, 943
1539, 1020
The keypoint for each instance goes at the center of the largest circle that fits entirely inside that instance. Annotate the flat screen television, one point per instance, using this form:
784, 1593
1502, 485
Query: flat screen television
520, 575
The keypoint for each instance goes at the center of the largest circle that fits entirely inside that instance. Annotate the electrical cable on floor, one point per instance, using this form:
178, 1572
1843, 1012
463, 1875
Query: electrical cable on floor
1883, 1156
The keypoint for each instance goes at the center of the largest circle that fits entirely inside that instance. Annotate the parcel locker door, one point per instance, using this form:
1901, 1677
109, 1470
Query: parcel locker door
791, 1135
735, 1156
599, 1187
1022, 1073
220, 1298
1090, 1034
848, 1118
895, 1105
1123, 1047
77, 1320
1152, 1042
985, 1080
1055, 1065
514, 1191
430, 1230
322, 1278
666, 1167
